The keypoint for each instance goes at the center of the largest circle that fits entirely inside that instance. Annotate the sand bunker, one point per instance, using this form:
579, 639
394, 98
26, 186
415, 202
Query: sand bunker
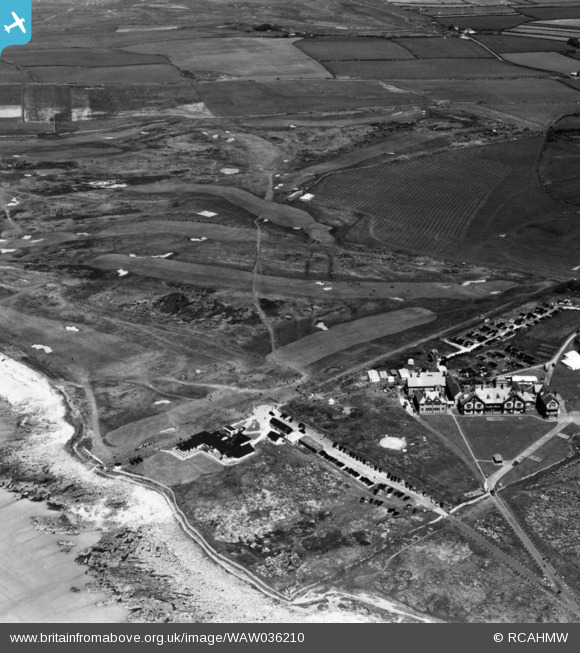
389, 442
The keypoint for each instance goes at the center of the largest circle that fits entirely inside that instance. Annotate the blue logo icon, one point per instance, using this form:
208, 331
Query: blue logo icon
15, 22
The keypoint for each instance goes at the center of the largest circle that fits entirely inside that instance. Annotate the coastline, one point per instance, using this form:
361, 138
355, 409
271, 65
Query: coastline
143, 561
38, 573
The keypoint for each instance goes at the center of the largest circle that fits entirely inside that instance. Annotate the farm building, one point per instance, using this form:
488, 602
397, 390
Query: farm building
572, 360
547, 404
227, 448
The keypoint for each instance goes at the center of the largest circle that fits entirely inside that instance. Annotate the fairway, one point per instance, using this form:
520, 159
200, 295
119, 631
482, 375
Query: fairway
213, 276
312, 348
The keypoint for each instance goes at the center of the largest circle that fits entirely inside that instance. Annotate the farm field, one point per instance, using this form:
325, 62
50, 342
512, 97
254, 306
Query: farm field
234, 98
494, 91
552, 61
430, 69
508, 435
558, 166
501, 43
436, 218
490, 22
550, 13
248, 58
337, 49
220, 277
43, 100
314, 347
536, 115
441, 48
471, 216
78, 57
143, 74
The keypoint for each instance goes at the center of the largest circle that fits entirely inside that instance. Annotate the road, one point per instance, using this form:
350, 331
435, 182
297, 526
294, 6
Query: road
262, 416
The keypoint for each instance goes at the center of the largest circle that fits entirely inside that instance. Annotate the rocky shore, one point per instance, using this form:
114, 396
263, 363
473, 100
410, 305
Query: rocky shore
142, 560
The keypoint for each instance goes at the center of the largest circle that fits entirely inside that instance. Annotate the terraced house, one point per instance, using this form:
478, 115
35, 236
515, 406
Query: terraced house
507, 398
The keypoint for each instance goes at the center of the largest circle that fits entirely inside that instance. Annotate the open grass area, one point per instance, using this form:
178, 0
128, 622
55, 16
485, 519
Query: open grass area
501, 43
552, 453
145, 74
552, 61
445, 68
441, 48
566, 382
508, 435
171, 471
308, 350
235, 98
249, 58
344, 49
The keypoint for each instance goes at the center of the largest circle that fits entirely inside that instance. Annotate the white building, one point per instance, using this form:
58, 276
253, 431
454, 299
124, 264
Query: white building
572, 360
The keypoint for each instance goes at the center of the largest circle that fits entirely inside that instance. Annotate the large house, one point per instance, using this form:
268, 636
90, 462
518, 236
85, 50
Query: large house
430, 402
547, 404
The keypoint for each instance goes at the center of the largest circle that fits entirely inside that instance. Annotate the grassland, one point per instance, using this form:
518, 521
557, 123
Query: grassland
443, 48
566, 382
122, 75
502, 43
508, 435
234, 98
429, 69
552, 61
248, 58
535, 238
218, 277
312, 348
495, 91
341, 49
169, 470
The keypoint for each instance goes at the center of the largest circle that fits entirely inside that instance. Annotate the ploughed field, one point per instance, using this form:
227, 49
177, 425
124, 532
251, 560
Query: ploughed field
483, 204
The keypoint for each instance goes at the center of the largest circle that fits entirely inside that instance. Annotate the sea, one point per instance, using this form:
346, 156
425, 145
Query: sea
38, 579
